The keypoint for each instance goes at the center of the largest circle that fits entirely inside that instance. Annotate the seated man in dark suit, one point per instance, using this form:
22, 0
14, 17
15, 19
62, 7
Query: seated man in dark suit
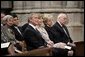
32, 37
62, 31
16, 28
18, 33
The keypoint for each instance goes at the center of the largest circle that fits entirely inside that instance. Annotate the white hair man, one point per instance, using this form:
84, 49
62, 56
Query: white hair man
62, 34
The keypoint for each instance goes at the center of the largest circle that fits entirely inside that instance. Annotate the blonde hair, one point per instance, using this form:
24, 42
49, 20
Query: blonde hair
47, 17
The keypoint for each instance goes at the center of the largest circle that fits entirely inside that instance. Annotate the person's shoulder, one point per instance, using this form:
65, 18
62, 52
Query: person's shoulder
28, 27
56, 24
26, 24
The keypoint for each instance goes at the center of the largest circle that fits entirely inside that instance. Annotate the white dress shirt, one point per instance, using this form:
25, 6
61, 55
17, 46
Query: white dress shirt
32, 26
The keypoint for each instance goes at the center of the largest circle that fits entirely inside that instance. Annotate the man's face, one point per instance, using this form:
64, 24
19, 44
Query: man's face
35, 20
16, 21
64, 19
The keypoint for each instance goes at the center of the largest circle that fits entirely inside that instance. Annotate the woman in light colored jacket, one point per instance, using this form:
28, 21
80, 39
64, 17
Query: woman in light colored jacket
45, 36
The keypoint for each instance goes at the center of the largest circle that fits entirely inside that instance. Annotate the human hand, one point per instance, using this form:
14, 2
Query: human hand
50, 43
60, 45
71, 44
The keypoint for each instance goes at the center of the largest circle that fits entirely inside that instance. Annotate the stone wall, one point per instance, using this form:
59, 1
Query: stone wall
74, 9
6, 4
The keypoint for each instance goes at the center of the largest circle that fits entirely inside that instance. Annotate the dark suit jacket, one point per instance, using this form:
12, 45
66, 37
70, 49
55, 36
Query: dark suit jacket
33, 38
56, 34
18, 36
60, 34
24, 26
52, 34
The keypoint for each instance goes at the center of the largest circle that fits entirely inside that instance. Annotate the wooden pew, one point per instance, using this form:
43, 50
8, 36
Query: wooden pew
37, 52
79, 48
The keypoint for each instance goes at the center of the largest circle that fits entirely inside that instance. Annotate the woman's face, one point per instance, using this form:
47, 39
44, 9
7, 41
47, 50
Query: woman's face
9, 22
40, 21
49, 22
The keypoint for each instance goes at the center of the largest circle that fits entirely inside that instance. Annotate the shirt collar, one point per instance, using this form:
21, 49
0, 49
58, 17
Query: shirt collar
59, 23
32, 25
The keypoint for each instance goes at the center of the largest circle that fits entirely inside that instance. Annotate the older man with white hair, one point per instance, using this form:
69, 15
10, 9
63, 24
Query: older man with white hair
62, 34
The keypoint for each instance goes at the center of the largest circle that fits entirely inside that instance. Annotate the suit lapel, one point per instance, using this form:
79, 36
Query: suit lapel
66, 30
32, 29
61, 29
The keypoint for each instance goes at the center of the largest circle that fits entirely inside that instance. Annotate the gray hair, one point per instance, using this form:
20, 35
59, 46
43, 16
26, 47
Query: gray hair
5, 18
61, 14
33, 14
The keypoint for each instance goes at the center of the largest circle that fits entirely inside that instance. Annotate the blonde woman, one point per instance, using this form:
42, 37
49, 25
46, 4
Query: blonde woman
45, 36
